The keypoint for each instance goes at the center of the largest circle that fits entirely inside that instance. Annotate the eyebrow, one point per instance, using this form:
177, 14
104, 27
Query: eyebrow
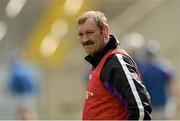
80, 33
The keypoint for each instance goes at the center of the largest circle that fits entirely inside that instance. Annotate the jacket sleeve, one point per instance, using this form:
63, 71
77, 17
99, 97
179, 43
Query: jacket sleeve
121, 75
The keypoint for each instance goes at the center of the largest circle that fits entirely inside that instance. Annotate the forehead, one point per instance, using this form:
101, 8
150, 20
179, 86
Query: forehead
88, 24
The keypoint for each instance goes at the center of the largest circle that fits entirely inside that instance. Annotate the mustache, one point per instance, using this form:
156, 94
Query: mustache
87, 43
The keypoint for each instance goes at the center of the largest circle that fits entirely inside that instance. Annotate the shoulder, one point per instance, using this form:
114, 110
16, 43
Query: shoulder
118, 59
116, 62
166, 66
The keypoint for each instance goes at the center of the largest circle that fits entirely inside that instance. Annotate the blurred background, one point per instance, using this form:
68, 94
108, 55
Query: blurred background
44, 33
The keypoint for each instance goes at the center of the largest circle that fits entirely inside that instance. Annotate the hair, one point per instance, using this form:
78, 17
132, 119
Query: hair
98, 17
151, 47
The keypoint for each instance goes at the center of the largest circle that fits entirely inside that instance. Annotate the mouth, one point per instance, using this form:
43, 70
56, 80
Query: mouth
89, 45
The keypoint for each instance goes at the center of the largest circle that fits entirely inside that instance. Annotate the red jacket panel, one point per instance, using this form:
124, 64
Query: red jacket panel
101, 103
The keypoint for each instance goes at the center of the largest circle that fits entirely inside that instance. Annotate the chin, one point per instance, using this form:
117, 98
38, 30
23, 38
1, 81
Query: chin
90, 53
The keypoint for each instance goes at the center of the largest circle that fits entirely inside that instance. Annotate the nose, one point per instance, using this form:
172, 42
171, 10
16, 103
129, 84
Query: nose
84, 38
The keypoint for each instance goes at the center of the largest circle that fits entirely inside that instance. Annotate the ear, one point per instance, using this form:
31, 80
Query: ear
106, 31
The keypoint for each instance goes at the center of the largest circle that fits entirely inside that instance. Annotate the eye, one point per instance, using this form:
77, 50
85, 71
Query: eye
89, 32
80, 34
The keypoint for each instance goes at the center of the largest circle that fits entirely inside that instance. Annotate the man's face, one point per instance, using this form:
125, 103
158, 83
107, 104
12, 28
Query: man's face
91, 37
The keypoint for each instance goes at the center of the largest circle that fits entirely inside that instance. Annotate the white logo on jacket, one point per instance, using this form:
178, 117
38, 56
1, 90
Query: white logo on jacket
88, 94
90, 76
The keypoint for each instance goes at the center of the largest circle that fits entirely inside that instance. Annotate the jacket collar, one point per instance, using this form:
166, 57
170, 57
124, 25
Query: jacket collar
112, 44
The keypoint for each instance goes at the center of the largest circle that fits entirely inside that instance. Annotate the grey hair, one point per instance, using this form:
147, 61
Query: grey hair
98, 17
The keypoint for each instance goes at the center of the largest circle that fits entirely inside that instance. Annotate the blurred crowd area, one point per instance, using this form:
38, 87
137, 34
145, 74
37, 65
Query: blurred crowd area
39, 43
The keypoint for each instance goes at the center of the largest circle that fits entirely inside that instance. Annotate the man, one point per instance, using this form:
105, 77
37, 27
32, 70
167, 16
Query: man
23, 86
158, 75
114, 89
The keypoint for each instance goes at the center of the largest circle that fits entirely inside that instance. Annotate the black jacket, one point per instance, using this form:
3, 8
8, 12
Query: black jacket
121, 73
